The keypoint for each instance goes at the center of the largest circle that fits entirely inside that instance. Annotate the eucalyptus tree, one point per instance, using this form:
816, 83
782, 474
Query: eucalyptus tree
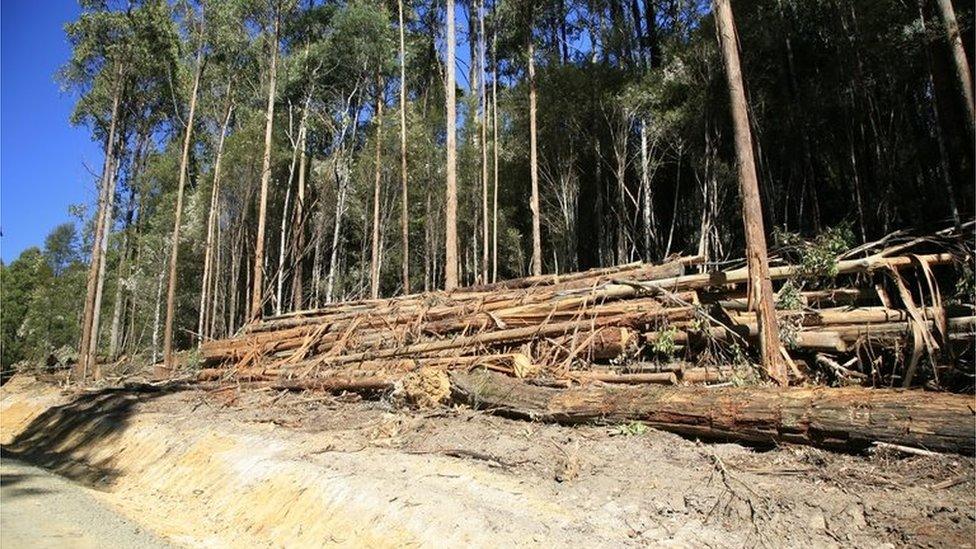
195, 29
231, 67
112, 50
404, 194
348, 46
450, 196
268, 15
304, 35
760, 286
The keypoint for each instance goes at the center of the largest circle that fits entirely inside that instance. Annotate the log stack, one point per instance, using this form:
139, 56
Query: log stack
877, 320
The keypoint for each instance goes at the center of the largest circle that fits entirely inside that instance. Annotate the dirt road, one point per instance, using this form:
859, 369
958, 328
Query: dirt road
39, 509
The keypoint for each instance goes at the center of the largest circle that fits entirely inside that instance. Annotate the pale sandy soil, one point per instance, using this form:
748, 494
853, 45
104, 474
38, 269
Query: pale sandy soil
258, 469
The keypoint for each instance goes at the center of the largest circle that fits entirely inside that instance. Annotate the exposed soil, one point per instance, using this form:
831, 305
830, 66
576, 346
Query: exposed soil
505, 481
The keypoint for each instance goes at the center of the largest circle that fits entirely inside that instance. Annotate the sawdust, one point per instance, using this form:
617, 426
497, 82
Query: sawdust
424, 389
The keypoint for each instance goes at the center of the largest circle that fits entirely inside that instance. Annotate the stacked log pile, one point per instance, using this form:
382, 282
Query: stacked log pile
876, 320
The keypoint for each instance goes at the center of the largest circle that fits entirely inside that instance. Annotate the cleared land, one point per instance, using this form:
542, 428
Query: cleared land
253, 467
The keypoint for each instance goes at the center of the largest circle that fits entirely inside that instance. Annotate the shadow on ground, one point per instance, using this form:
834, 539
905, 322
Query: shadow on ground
54, 439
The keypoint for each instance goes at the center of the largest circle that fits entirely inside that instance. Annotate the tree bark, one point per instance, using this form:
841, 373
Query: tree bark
494, 146
647, 205
760, 286
257, 291
450, 206
940, 140
208, 261
848, 418
100, 283
298, 238
283, 241
960, 64
374, 264
168, 364
484, 143
85, 352
119, 301
404, 196
534, 161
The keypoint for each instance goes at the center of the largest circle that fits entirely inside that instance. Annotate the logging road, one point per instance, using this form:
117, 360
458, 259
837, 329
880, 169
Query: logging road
39, 509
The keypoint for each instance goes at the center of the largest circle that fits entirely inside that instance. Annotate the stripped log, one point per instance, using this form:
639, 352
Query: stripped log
841, 418
513, 364
664, 378
607, 343
738, 276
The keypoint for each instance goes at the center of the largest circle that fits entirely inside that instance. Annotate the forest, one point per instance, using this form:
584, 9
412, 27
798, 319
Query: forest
267, 156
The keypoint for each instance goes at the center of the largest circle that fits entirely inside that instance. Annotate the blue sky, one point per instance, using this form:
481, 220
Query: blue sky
42, 157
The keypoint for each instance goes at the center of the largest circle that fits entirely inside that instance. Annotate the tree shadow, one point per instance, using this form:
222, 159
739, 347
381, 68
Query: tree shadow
55, 439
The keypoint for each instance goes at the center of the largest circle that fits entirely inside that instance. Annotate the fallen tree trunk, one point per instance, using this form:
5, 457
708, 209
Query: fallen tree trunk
847, 418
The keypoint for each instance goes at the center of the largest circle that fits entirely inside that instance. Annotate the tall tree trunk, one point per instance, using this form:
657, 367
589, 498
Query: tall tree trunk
429, 247
599, 206
494, 146
130, 339
653, 44
450, 203
404, 196
298, 230
961, 66
100, 284
85, 352
128, 247
374, 264
534, 161
943, 155
647, 208
283, 243
208, 254
342, 187
219, 286
119, 301
168, 364
483, 124
257, 290
620, 133
760, 286
156, 315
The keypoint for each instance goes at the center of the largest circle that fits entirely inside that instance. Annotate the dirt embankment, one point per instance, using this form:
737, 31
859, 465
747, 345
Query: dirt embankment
290, 470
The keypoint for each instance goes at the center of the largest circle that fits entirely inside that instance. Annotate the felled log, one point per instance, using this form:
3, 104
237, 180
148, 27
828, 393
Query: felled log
464, 302
739, 276
861, 315
843, 418
820, 298
603, 344
593, 276
820, 340
513, 364
664, 378
706, 375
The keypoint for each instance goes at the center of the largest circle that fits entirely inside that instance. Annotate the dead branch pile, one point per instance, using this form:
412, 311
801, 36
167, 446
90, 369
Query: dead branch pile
877, 317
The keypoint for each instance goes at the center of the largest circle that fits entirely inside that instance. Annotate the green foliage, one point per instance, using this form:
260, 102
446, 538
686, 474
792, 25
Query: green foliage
789, 297
664, 342
61, 248
841, 98
817, 257
52, 318
41, 298
632, 429
18, 280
